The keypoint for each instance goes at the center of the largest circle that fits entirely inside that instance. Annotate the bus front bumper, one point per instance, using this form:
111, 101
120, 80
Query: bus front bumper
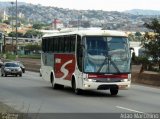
104, 86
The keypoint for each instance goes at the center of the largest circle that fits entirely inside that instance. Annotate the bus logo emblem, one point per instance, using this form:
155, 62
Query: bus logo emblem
57, 60
64, 66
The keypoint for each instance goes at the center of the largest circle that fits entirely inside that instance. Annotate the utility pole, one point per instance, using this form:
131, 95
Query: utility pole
12, 26
16, 30
4, 43
1, 42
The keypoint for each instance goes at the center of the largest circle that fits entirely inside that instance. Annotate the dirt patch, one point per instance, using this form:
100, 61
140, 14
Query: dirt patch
146, 78
31, 64
5, 108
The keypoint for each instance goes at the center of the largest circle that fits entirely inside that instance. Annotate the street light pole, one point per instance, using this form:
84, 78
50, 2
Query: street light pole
16, 30
12, 25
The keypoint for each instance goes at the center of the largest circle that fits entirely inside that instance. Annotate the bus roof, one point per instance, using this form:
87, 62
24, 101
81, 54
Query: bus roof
89, 32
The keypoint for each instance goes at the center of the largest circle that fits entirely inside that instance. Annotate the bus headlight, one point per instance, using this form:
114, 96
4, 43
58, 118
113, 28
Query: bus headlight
87, 86
91, 80
124, 80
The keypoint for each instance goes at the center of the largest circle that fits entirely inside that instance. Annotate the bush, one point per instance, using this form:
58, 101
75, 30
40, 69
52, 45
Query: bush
10, 56
38, 56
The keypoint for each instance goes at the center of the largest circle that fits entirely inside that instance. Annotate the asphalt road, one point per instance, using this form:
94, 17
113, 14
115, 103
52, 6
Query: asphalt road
31, 94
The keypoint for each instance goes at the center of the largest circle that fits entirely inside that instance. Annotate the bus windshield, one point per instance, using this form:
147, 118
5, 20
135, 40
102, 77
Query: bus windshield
106, 55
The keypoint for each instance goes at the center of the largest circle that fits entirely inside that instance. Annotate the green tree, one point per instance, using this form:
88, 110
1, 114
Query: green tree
33, 33
32, 47
152, 46
138, 34
37, 26
6, 21
13, 34
154, 25
131, 37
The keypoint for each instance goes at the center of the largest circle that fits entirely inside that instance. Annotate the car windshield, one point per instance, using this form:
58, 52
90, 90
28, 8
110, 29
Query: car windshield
106, 55
11, 65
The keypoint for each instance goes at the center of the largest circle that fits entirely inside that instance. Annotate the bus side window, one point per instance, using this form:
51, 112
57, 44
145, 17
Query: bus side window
43, 48
47, 44
73, 39
65, 45
56, 44
61, 44
52, 45
79, 52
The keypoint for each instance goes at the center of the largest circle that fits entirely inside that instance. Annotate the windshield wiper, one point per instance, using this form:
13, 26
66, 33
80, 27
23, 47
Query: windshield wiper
115, 66
105, 60
108, 59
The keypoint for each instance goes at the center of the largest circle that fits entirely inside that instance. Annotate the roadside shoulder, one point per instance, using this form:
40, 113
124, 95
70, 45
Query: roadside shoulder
6, 108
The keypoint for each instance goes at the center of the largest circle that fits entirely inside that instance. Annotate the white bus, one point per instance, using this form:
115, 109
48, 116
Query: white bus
87, 60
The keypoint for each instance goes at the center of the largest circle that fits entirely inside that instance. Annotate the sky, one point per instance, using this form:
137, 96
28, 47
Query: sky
106, 5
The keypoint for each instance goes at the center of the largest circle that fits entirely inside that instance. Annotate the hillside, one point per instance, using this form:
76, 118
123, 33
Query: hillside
8, 4
30, 13
47, 14
143, 12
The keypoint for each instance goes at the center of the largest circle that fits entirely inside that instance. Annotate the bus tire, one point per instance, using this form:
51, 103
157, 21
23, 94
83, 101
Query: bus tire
54, 85
52, 82
114, 91
40, 74
75, 89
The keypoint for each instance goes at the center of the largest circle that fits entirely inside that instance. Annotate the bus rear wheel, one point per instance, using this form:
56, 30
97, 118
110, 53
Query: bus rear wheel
114, 91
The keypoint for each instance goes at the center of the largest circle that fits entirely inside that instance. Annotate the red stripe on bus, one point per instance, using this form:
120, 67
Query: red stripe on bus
108, 76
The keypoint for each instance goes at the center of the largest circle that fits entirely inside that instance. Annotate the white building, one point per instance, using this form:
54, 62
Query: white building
136, 46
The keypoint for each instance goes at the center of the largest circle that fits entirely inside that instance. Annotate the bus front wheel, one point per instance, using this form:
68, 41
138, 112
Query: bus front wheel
114, 91
75, 89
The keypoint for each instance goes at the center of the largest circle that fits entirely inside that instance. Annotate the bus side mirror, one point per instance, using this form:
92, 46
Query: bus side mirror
131, 49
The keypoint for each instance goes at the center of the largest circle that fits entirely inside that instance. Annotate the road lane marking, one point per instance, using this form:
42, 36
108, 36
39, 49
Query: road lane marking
124, 108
